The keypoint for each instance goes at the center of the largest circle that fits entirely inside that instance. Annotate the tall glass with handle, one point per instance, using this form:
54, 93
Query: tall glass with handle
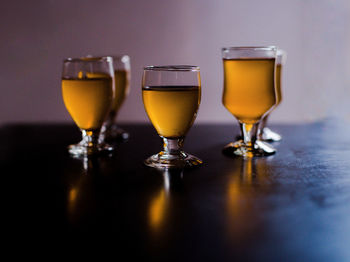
249, 94
87, 90
110, 129
265, 133
171, 96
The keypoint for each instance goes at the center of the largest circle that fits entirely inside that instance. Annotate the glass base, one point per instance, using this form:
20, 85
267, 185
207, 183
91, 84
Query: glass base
114, 133
238, 148
182, 160
269, 135
80, 149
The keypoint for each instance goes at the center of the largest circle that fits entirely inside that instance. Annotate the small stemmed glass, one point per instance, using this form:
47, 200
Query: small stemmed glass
87, 90
265, 133
171, 96
110, 130
249, 93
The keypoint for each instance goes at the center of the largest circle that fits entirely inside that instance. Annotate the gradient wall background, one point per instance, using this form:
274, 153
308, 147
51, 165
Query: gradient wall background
37, 35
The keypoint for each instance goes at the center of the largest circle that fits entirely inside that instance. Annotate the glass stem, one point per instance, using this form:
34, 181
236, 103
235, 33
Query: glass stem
107, 126
262, 125
172, 146
263, 122
111, 119
249, 133
90, 138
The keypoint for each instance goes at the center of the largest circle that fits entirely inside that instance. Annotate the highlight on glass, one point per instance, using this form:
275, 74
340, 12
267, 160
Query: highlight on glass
249, 94
87, 91
265, 133
110, 130
171, 97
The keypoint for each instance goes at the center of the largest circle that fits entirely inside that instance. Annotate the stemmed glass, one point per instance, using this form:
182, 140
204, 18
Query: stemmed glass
249, 94
87, 90
110, 130
265, 133
171, 96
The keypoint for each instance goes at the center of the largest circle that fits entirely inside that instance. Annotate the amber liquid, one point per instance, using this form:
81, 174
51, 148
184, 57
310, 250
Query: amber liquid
171, 109
122, 86
88, 99
278, 85
249, 90
278, 94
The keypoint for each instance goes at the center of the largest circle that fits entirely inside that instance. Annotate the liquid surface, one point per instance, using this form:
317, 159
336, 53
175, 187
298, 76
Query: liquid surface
249, 88
88, 99
171, 109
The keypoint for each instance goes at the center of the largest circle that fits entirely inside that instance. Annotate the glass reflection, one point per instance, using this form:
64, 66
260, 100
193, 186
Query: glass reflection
247, 181
157, 209
81, 198
159, 206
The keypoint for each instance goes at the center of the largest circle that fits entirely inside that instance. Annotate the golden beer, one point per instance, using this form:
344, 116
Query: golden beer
278, 84
88, 100
122, 86
249, 87
171, 109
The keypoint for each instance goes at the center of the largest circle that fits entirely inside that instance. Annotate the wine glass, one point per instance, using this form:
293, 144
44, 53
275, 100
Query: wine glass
265, 133
171, 96
249, 93
87, 90
110, 130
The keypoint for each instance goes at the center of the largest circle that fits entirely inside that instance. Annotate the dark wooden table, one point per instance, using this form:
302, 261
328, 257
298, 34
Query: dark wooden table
293, 206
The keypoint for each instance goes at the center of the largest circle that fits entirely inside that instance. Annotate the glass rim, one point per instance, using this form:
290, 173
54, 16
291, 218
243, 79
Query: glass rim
185, 68
88, 59
281, 57
281, 52
261, 48
114, 56
120, 56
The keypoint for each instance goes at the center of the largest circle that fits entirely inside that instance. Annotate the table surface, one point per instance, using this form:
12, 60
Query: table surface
293, 206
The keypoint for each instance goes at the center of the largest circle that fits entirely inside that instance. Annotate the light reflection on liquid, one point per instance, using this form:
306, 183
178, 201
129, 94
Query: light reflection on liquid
247, 180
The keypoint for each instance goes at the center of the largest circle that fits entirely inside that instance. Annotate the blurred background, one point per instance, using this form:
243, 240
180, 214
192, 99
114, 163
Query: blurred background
37, 35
